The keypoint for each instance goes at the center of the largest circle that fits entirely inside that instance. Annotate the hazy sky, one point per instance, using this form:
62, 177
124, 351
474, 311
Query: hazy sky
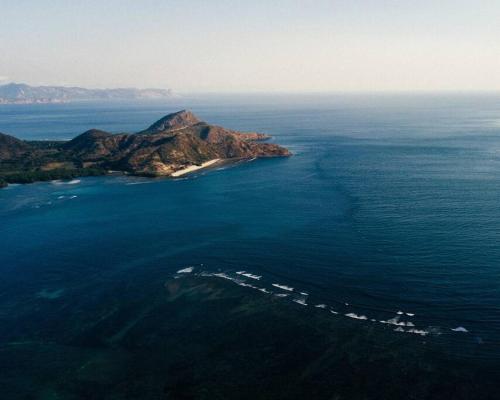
253, 45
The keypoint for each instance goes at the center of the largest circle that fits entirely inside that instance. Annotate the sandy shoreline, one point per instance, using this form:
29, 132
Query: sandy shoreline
193, 168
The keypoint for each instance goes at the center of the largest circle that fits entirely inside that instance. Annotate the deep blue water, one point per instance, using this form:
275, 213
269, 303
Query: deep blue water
389, 203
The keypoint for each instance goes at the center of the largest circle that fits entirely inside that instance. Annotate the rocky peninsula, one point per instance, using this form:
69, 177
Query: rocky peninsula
176, 144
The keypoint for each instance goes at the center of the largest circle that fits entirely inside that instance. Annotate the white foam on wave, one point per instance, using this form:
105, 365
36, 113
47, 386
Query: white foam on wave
405, 313
420, 332
73, 197
237, 281
249, 275
223, 276
301, 297
397, 322
356, 316
284, 287
138, 183
71, 182
244, 284
460, 329
187, 270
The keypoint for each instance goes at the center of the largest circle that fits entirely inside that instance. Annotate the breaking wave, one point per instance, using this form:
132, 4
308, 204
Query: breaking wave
400, 319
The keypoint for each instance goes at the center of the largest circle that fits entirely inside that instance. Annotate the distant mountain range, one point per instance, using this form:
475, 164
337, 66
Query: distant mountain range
20, 93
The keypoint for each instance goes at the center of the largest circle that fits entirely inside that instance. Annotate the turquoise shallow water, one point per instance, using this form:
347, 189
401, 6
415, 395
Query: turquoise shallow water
390, 203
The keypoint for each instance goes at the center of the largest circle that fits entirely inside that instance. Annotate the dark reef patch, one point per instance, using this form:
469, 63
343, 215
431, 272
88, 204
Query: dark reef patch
204, 338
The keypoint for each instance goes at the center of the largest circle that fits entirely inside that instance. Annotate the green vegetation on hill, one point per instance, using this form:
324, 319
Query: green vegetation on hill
31, 176
32, 161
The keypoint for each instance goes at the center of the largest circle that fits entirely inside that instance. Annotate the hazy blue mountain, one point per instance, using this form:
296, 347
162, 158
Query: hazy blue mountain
20, 93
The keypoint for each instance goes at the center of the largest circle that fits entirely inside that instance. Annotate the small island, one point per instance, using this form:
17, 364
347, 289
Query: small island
173, 146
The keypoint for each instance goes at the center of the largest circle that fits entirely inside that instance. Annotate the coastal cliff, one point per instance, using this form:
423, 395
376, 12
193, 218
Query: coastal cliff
177, 142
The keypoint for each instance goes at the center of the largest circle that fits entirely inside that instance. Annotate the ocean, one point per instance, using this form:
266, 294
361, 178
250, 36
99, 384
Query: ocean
388, 214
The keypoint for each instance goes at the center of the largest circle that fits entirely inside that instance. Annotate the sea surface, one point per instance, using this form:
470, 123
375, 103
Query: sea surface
388, 214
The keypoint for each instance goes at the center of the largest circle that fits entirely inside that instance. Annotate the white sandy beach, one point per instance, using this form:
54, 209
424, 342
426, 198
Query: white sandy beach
193, 168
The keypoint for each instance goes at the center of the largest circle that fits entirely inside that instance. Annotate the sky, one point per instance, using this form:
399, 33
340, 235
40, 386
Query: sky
253, 46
